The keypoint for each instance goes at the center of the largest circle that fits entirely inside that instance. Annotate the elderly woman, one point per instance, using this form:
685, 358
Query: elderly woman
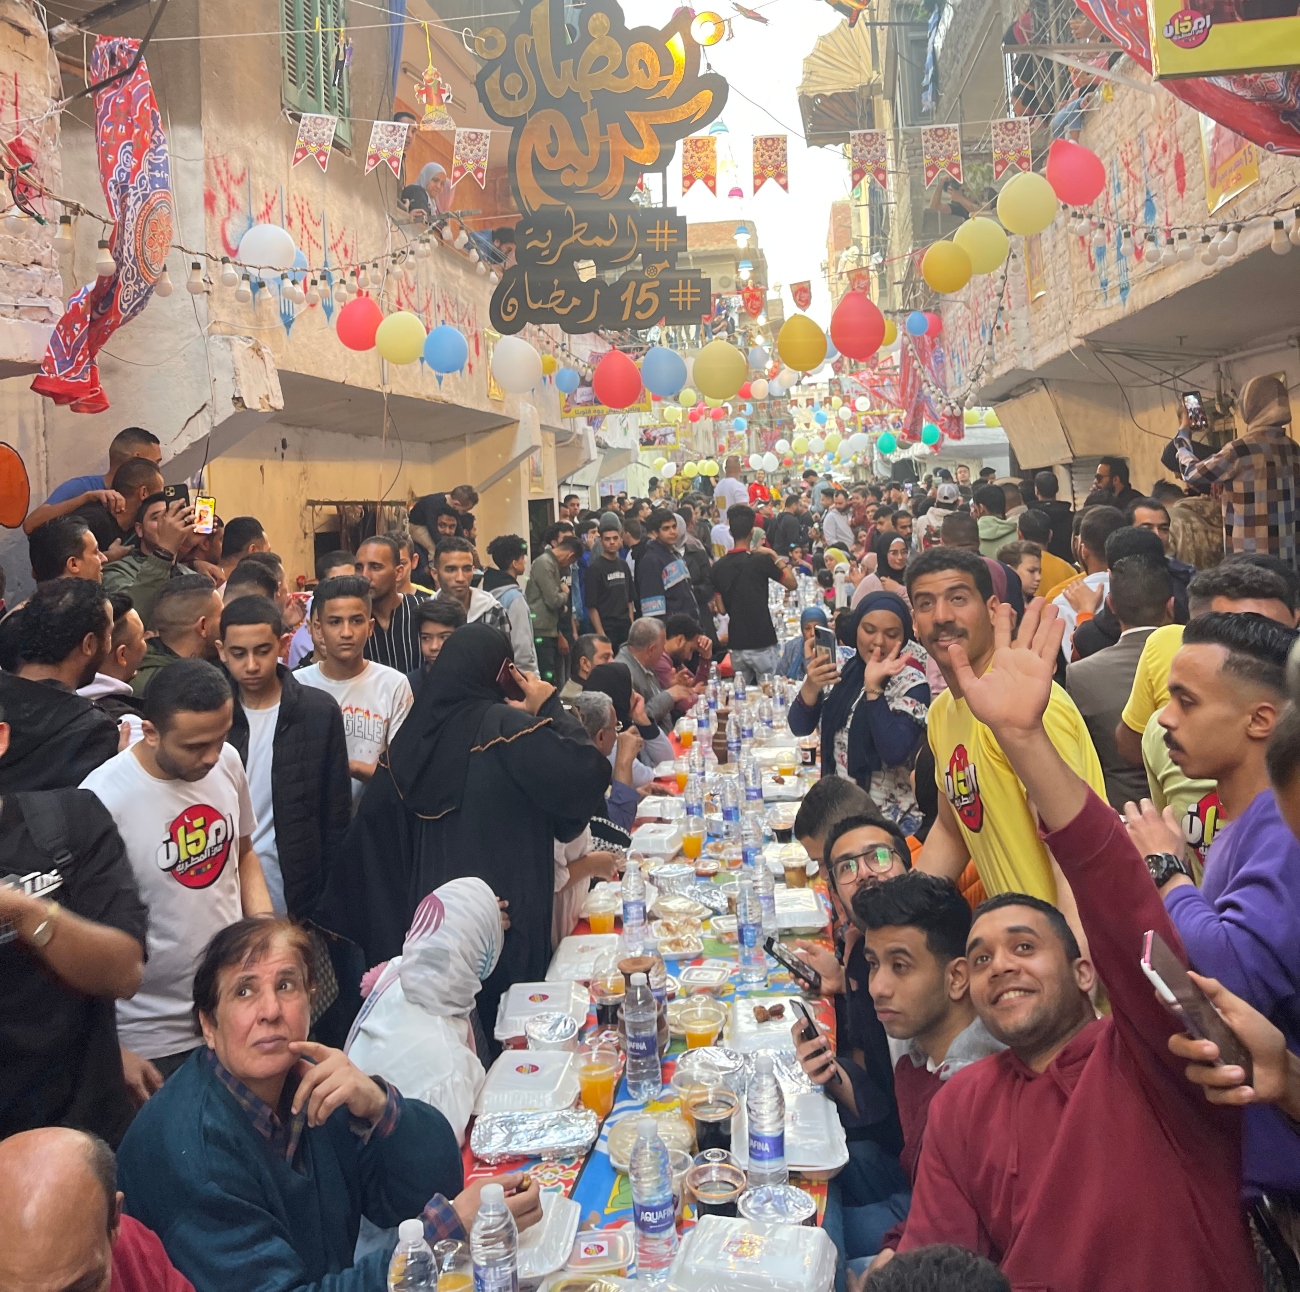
794, 655
873, 721
257, 1160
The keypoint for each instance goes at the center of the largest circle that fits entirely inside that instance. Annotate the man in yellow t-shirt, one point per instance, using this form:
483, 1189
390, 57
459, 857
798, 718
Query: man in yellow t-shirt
984, 813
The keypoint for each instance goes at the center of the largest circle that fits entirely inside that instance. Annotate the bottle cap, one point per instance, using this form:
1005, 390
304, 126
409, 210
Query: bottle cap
763, 1061
409, 1231
492, 1195
647, 1128
639, 980
746, 883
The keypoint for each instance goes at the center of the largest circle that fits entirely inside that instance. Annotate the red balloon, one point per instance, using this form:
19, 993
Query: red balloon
1075, 173
934, 324
617, 380
857, 326
717, 414
654, 399
693, 415
746, 391
358, 321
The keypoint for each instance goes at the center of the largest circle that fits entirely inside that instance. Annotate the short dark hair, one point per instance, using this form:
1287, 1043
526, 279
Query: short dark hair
568, 544
585, 646
239, 532
1054, 918
255, 575
180, 602
657, 519
59, 616
860, 821
1256, 648
1145, 504
464, 494
340, 587
1046, 485
332, 560
992, 499
552, 533
122, 604
506, 549
931, 903
681, 625
1267, 561
937, 559
184, 686
385, 541
1013, 553
129, 439
448, 613
940, 1268
441, 510
826, 802
957, 529
453, 544
1129, 541
1239, 581
1034, 526
1140, 590
1167, 491
633, 528
740, 521
102, 1162
135, 472
1283, 756
245, 611
567, 496
49, 546
790, 498
243, 943
1117, 466
1098, 524
146, 503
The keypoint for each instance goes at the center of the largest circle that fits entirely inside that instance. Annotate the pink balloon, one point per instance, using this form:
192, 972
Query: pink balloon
1075, 173
934, 324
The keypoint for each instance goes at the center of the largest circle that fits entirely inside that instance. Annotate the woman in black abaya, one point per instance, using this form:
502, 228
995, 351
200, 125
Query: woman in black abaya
472, 785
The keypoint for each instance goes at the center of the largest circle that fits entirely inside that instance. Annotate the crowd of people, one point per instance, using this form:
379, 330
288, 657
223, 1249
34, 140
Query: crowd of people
269, 861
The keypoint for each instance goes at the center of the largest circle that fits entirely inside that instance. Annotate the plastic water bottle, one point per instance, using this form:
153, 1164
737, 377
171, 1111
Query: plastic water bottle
764, 726
765, 1112
494, 1244
711, 689
634, 931
693, 795
739, 684
733, 737
749, 936
752, 777
410, 1269
713, 671
765, 888
730, 808
703, 717
653, 1211
746, 722
779, 713
641, 1026
751, 844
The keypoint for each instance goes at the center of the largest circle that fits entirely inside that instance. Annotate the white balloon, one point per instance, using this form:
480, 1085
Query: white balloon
844, 412
757, 357
858, 442
270, 248
670, 468
516, 365
756, 462
844, 452
862, 403
788, 377
816, 444
760, 388
770, 462
782, 446
775, 389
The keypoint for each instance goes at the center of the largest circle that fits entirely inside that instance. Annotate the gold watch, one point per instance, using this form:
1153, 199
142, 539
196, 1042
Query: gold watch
44, 931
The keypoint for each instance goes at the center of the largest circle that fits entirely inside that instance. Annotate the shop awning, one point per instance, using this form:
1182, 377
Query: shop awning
835, 95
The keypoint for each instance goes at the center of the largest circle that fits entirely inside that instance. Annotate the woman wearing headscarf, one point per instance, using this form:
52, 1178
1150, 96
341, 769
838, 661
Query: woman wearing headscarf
891, 560
472, 785
615, 681
1258, 474
873, 721
794, 654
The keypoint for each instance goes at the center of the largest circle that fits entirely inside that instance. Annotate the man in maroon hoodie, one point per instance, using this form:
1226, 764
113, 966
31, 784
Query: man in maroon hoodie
1080, 1159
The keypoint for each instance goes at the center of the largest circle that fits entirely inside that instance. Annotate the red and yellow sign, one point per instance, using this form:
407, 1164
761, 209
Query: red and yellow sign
1211, 38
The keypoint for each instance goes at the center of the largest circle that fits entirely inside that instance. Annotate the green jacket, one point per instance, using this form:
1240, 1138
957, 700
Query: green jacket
156, 656
995, 532
142, 577
547, 594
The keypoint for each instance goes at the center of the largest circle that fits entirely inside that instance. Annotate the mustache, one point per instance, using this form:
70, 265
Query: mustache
951, 628
1172, 745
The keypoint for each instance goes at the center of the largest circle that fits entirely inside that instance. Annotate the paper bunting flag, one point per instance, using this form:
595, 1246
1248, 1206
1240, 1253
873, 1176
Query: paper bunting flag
860, 280
752, 299
315, 138
867, 154
941, 151
387, 144
770, 161
1011, 146
470, 155
700, 163
802, 293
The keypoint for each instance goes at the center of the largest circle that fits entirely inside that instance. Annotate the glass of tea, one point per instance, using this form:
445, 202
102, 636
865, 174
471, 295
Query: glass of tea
711, 1108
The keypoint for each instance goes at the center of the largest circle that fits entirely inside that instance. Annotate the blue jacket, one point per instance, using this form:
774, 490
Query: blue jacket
232, 1213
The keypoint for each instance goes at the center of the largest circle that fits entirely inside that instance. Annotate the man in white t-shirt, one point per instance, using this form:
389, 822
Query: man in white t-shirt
730, 490
374, 698
181, 804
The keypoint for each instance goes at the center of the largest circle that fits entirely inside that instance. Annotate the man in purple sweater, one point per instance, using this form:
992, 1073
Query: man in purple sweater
1242, 926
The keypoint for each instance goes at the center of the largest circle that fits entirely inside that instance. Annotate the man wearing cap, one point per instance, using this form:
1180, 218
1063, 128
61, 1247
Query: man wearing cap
608, 584
947, 499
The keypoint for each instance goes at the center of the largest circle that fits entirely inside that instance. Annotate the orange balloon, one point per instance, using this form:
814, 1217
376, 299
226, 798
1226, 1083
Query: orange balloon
15, 490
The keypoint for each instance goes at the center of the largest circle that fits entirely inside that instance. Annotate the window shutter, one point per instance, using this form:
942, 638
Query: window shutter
308, 45
294, 90
338, 101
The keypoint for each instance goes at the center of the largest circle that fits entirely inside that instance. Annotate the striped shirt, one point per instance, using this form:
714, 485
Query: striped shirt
398, 645
1259, 479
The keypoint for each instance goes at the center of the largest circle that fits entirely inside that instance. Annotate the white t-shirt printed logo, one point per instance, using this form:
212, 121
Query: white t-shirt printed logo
197, 846
362, 723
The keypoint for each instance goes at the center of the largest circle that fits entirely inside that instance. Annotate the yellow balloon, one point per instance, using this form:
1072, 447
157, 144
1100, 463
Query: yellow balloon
801, 343
548, 365
833, 441
686, 397
891, 333
945, 267
400, 338
709, 468
672, 414
660, 463
836, 402
712, 403
720, 370
799, 444
991, 419
690, 470
1027, 204
984, 241
971, 417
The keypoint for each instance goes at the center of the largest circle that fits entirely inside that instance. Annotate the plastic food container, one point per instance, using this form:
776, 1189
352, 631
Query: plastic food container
778, 1204
575, 957
800, 909
658, 838
602, 1251
722, 1254
713, 1064
673, 877
525, 999
674, 1130
544, 1247
710, 978
552, 1031
529, 1081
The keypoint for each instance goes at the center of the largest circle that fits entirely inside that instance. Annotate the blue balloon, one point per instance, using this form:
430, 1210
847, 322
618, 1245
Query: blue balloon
820, 418
567, 380
445, 349
831, 351
740, 424
917, 323
663, 371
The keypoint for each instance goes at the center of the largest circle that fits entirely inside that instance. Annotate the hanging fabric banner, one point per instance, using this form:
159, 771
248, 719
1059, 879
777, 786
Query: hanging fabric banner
470, 155
802, 293
136, 175
700, 163
387, 144
941, 151
1011, 146
751, 298
867, 155
860, 280
315, 138
770, 161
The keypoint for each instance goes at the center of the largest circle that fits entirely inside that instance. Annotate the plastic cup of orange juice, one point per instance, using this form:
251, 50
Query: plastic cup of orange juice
681, 770
785, 760
602, 906
686, 731
692, 838
597, 1077
700, 1020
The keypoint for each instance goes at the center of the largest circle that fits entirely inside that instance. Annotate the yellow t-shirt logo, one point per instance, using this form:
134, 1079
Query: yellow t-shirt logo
962, 785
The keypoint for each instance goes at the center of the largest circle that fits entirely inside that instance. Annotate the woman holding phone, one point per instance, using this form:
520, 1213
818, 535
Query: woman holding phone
873, 720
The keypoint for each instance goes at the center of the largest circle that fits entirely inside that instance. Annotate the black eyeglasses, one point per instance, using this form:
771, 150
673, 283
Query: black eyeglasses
876, 860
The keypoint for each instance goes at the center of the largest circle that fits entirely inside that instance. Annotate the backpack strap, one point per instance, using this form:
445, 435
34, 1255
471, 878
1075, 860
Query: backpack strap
47, 824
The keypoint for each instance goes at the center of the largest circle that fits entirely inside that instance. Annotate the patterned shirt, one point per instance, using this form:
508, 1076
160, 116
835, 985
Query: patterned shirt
398, 645
1259, 478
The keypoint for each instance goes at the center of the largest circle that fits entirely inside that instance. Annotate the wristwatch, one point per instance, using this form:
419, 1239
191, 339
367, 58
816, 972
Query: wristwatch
1164, 866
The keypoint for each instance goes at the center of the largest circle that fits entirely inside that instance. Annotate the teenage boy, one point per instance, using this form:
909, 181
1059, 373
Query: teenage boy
741, 579
180, 800
111, 686
509, 554
329, 566
548, 599
394, 639
374, 698
453, 562
438, 620
609, 585
290, 740
663, 582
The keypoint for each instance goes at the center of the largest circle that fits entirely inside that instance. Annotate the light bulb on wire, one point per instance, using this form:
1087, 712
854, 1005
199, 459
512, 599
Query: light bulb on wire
362, 276
313, 293
105, 265
1280, 243
244, 292
1185, 248
1151, 249
163, 287
229, 274
1294, 232
1098, 236
195, 284
64, 241
354, 283
1230, 241
1210, 253
340, 291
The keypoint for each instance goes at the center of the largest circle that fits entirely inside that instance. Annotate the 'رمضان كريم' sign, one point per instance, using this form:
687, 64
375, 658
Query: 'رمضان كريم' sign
1215, 38
587, 118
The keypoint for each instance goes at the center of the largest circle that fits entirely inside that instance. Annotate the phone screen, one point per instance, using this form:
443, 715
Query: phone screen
1195, 409
800, 970
508, 683
824, 642
205, 514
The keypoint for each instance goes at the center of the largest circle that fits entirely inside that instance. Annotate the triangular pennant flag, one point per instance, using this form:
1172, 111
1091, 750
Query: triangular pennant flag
867, 155
802, 293
700, 163
1011, 146
941, 151
315, 138
387, 144
469, 155
770, 161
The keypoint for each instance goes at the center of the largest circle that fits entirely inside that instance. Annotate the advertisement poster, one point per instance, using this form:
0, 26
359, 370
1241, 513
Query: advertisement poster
1215, 38
1231, 163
